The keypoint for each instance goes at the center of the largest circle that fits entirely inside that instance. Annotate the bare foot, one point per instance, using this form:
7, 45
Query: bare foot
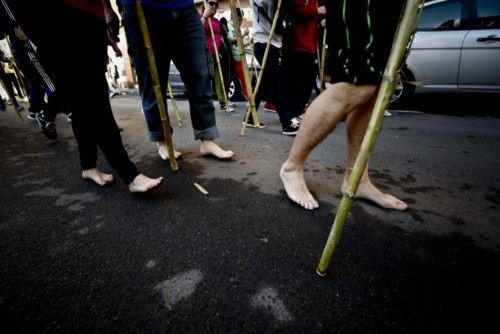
368, 191
209, 147
97, 176
295, 186
163, 151
142, 183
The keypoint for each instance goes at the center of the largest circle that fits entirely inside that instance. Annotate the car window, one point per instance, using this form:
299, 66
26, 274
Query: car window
488, 14
442, 16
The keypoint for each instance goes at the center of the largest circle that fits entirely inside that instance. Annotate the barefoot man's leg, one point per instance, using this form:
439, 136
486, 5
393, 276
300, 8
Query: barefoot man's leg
357, 123
323, 115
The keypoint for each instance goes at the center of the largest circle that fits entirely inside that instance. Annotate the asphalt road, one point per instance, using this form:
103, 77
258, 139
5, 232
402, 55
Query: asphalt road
75, 257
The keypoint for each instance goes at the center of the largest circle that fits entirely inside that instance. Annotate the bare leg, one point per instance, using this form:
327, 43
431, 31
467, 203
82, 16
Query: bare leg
163, 150
142, 183
209, 147
357, 122
97, 176
323, 115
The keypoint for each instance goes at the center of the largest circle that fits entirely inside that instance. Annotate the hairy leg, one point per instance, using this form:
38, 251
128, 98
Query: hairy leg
323, 115
357, 123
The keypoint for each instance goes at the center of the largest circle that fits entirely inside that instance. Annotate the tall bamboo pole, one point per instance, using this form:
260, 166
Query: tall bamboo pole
174, 105
248, 82
156, 85
262, 69
322, 62
403, 35
217, 57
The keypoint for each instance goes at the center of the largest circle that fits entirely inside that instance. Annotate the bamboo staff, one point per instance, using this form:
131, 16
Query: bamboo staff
322, 63
262, 68
217, 57
156, 85
403, 35
248, 82
174, 105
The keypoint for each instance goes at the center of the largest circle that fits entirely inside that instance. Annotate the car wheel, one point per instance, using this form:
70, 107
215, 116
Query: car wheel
234, 92
404, 89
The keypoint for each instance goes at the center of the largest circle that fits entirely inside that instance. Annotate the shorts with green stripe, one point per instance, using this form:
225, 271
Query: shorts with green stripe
360, 35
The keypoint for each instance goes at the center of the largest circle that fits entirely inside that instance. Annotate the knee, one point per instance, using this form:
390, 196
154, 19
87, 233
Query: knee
350, 97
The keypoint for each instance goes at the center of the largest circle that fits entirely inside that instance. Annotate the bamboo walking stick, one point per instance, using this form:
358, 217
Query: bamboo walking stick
248, 82
217, 58
322, 63
262, 69
174, 105
156, 85
403, 35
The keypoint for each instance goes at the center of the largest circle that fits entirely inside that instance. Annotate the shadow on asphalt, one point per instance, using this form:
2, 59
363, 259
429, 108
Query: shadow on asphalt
79, 258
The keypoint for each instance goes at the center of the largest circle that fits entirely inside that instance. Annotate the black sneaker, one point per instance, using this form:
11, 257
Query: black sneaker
48, 128
292, 128
250, 124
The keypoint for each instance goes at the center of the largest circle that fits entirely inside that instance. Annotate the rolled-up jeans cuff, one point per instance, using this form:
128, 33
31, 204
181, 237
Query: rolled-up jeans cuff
210, 133
156, 136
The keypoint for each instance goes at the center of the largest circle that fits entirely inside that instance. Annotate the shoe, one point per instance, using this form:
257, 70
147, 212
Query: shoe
387, 114
227, 109
292, 128
70, 117
48, 128
31, 115
301, 117
250, 124
268, 106
19, 107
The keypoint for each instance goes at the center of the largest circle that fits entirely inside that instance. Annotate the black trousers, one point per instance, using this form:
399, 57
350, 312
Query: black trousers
78, 65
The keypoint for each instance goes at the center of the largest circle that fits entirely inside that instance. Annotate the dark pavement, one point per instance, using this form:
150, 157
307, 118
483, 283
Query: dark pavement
75, 257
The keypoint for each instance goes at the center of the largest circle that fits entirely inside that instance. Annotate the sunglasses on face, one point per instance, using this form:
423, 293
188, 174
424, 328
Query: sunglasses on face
214, 4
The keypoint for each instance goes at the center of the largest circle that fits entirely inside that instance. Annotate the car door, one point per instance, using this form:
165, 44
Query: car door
480, 61
434, 59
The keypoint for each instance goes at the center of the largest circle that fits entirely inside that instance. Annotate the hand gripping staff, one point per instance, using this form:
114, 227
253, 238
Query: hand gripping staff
262, 68
156, 84
406, 26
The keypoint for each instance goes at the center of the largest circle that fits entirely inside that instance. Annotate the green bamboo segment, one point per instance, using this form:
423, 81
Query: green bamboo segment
248, 82
262, 69
322, 63
174, 105
156, 84
406, 27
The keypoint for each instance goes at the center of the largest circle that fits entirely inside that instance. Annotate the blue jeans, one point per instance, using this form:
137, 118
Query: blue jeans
176, 35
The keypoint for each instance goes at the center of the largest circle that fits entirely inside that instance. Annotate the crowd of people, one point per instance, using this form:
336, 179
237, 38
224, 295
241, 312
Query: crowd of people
206, 52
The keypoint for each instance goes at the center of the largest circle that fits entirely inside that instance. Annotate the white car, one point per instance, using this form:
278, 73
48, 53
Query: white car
456, 49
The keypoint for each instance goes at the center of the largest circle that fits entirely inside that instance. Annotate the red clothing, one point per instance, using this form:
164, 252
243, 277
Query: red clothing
305, 29
217, 34
94, 7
